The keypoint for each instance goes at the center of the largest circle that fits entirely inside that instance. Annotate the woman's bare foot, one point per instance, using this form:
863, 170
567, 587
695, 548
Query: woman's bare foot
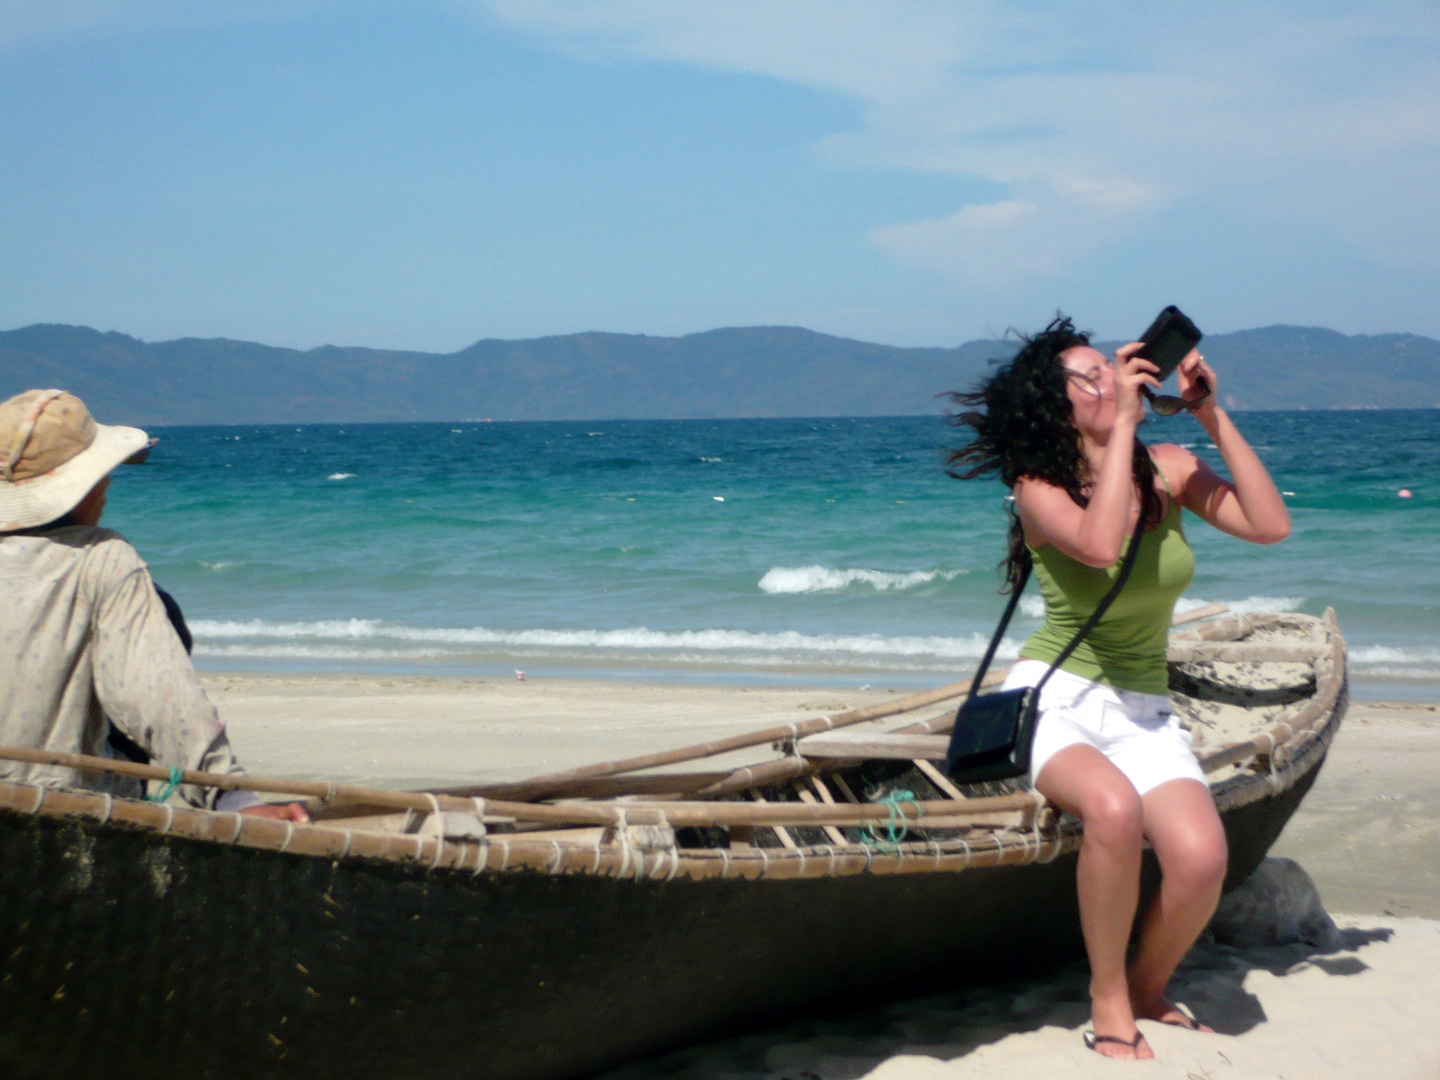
1115, 1034
1112, 1046
1166, 1013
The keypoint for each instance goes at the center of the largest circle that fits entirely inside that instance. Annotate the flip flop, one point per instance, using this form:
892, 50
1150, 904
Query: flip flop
1091, 1039
1183, 1020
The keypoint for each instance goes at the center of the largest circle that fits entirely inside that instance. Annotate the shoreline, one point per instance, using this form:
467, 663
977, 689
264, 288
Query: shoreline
1382, 689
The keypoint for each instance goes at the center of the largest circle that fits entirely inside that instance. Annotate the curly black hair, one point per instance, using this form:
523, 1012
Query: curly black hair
1022, 424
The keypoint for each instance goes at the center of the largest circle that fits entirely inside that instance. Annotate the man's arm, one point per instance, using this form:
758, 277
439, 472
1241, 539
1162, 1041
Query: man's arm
148, 687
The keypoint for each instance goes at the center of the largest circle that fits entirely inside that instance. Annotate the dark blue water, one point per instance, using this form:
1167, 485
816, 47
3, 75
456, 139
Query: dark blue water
798, 549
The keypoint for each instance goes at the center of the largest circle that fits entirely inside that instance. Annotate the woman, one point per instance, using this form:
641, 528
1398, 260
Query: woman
1057, 424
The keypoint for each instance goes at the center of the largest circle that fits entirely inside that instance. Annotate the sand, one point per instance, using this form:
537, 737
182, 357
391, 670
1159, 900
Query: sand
1368, 833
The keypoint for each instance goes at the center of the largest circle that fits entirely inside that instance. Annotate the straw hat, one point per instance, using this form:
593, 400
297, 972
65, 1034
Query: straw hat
52, 452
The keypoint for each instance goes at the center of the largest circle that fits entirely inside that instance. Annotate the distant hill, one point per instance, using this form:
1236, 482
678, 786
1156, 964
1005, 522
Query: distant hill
741, 372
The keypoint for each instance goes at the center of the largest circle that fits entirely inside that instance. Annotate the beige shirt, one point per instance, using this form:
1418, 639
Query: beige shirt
83, 636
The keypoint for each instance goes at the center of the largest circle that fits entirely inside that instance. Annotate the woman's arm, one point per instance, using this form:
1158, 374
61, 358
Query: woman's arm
1093, 534
1248, 505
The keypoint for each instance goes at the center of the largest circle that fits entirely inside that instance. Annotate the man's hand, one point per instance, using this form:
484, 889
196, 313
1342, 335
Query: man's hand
290, 811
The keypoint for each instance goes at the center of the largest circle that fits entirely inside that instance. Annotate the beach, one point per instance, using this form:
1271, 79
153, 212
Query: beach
1368, 833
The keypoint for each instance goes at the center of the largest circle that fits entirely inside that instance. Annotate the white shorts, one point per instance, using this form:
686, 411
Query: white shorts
1139, 733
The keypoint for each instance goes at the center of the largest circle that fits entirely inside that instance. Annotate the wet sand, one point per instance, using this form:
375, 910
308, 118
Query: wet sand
1368, 833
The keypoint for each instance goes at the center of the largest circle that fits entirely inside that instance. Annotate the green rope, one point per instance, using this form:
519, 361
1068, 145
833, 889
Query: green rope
176, 775
895, 827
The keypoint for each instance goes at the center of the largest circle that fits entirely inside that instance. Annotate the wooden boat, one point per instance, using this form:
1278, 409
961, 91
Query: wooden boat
553, 927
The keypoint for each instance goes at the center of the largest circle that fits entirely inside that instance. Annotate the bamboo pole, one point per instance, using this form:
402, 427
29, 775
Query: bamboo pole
628, 813
600, 787
1199, 613
769, 772
540, 787
567, 784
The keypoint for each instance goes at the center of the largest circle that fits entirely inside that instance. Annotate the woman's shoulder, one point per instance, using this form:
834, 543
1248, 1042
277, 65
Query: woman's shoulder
1176, 462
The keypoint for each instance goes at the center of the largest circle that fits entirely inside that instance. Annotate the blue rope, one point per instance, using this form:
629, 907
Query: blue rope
895, 827
176, 775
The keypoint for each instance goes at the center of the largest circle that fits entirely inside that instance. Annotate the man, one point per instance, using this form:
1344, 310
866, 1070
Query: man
84, 638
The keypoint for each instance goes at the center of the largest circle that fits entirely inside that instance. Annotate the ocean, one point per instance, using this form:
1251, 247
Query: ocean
825, 551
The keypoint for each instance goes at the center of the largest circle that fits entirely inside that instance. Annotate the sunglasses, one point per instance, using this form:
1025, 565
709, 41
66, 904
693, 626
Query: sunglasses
1170, 405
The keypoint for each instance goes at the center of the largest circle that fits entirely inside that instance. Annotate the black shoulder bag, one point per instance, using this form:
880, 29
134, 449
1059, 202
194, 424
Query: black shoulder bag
993, 733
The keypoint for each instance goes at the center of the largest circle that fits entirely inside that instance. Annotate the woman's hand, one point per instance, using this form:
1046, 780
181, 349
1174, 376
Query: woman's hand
1131, 374
1196, 378
1248, 505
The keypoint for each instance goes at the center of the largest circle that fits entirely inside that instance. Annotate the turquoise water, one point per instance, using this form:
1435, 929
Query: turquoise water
801, 550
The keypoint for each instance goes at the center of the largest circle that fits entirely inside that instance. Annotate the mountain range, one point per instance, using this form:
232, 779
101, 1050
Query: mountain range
738, 372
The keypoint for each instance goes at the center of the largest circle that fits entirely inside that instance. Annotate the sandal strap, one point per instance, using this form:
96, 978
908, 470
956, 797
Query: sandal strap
1134, 1043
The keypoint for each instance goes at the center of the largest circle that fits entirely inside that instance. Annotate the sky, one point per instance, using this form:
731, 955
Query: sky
429, 173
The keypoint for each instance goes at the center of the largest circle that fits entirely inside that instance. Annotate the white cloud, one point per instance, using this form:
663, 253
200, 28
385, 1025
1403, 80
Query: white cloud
1094, 116
985, 245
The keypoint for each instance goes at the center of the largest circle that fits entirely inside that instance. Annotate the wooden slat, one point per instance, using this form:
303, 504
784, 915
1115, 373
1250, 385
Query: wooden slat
1195, 615
845, 791
835, 835
1244, 652
855, 746
939, 779
786, 840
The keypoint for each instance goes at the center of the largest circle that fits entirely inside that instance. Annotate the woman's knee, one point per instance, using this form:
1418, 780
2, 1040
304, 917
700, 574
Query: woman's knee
1198, 859
1114, 816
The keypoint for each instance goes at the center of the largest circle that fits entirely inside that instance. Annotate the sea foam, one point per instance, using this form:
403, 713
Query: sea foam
819, 579
321, 640
1032, 605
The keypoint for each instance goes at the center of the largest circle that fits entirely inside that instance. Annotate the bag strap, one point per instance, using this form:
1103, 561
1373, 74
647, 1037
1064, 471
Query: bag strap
999, 632
1130, 555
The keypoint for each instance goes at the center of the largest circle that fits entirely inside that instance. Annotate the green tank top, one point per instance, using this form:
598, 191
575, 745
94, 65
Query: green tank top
1126, 649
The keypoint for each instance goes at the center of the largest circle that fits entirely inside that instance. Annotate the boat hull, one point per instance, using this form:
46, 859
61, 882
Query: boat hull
124, 950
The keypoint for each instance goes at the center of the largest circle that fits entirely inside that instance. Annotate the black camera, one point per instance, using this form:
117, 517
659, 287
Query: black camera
1169, 340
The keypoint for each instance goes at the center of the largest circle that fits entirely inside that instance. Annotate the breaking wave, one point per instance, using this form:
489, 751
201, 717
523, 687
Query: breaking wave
819, 579
371, 639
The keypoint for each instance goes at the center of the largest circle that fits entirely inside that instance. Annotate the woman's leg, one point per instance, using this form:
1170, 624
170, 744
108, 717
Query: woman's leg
1189, 841
1082, 781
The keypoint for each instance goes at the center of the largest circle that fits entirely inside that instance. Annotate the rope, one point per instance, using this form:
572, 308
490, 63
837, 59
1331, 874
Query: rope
559, 857
439, 820
895, 827
177, 774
